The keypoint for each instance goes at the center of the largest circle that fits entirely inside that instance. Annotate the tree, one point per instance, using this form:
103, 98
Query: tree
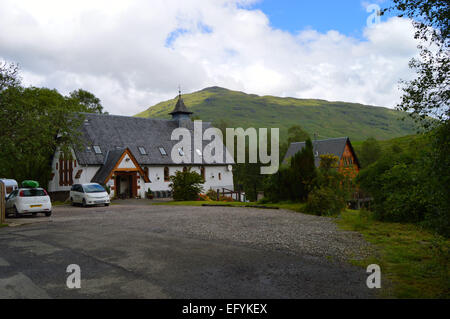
9, 75
186, 185
370, 152
89, 102
303, 172
297, 134
428, 94
35, 122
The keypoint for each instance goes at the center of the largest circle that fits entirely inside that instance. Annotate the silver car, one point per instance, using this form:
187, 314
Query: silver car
89, 194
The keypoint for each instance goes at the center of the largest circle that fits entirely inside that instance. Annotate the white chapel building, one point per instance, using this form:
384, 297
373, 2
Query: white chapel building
132, 155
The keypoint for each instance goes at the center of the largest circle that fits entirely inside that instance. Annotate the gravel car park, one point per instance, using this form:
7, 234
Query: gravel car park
149, 251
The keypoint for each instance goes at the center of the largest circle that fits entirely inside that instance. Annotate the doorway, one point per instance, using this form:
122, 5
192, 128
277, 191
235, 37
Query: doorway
126, 184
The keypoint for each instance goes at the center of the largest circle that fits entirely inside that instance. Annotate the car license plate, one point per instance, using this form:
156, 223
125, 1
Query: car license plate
32, 206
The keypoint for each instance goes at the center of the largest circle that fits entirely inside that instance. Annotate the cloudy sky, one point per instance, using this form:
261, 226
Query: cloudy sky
135, 53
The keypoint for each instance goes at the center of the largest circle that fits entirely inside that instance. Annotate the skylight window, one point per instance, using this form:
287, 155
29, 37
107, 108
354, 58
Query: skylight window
97, 149
142, 150
162, 151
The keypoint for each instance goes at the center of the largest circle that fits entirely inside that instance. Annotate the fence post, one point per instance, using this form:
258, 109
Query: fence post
218, 194
2, 202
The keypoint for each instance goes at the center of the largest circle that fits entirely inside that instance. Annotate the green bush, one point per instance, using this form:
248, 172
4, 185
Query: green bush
411, 184
212, 194
324, 202
186, 185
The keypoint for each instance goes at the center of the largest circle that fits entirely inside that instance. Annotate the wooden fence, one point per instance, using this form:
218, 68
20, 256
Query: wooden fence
235, 195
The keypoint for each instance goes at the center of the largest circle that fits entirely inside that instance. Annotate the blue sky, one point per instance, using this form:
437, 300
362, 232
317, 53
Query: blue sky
346, 16
135, 53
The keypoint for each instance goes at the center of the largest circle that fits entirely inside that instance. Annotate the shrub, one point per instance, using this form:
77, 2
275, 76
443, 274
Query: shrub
226, 199
186, 185
324, 202
212, 194
107, 188
203, 197
148, 194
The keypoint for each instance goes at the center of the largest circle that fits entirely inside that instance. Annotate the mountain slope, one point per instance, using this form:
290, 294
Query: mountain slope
327, 119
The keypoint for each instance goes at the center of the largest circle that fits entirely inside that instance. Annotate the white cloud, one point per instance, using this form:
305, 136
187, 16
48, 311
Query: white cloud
132, 54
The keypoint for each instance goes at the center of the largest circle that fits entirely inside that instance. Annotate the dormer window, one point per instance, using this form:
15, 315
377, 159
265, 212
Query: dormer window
97, 149
142, 150
162, 151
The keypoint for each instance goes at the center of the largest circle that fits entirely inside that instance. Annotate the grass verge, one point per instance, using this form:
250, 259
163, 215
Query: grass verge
298, 207
414, 260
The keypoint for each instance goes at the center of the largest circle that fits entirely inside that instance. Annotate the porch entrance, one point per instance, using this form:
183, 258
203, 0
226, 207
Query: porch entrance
125, 184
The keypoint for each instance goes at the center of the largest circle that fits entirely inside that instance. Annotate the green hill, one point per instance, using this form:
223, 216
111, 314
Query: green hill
404, 143
327, 119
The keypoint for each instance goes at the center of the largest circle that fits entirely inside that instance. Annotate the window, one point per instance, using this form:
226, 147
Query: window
198, 152
220, 176
180, 151
97, 149
184, 169
35, 192
93, 188
142, 150
162, 151
78, 175
166, 174
65, 172
202, 172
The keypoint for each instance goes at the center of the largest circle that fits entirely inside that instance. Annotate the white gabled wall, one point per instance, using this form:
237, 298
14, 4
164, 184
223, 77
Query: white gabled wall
126, 162
156, 176
86, 176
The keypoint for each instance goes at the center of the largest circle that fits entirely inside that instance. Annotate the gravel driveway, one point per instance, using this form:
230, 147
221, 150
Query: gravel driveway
138, 251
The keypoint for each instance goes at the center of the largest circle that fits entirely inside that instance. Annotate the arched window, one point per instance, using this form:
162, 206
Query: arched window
166, 174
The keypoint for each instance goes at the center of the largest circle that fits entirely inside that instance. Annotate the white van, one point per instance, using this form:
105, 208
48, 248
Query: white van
10, 185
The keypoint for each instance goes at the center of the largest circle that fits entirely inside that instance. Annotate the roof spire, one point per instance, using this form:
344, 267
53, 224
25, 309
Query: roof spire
180, 110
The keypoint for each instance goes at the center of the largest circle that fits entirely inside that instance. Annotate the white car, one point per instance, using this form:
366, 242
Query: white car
89, 194
28, 201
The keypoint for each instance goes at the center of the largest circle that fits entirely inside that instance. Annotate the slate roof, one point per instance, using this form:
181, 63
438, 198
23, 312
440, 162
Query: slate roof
180, 108
114, 132
111, 159
334, 146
